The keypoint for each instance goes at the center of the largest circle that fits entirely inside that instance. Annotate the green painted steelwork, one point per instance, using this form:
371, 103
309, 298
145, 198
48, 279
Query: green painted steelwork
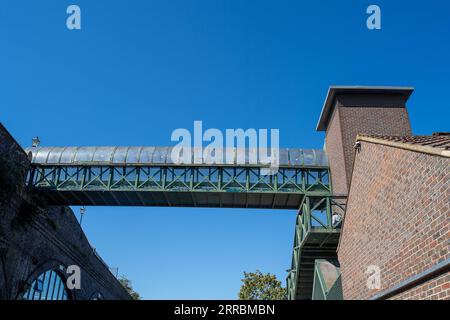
315, 238
336, 293
327, 286
184, 185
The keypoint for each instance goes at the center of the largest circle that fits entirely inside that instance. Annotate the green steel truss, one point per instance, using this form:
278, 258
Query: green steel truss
178, 185
315, 238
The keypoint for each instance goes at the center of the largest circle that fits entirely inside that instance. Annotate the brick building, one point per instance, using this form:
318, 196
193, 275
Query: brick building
397, 220
349, 111
38, 242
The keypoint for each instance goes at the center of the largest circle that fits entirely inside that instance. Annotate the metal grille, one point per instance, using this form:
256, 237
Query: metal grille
47, 286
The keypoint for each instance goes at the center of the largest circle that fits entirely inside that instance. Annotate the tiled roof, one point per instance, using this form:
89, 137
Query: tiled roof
437, 140
438, 143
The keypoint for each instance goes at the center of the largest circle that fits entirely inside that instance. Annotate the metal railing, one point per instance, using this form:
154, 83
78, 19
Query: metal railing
315, 215
173, 178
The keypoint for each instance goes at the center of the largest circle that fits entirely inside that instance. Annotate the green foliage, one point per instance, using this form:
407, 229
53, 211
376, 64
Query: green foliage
126, 283
259, 286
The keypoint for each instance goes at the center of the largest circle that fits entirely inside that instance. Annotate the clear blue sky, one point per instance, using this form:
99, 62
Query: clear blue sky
139, 69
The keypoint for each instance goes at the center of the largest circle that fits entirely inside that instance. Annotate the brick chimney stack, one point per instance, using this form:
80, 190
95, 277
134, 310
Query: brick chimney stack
349, 111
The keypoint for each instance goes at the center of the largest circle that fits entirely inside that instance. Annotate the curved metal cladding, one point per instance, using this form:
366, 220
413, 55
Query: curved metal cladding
151, 176
163, 156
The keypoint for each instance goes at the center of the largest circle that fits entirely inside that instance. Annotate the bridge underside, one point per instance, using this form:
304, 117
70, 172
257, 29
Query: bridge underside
173, 199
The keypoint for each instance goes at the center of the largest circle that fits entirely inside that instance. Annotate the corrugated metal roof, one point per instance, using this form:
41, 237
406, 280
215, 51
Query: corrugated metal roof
163, 155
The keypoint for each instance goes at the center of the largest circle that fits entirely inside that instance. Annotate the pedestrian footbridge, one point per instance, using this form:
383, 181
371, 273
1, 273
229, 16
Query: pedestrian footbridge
148, 176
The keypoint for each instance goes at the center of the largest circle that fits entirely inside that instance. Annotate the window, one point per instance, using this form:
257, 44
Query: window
47, 286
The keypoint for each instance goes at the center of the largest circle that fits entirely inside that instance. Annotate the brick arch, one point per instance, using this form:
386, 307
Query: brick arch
97, 295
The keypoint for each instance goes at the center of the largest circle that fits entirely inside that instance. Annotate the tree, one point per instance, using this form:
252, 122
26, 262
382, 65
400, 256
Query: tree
126, 283
259, 286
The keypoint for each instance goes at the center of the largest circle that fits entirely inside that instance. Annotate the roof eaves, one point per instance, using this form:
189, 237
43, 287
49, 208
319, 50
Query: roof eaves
333, 91
406, 146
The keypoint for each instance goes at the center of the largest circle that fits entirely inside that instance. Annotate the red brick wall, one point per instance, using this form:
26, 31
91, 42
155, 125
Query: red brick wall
397, 218
434, 289
355, 116
335, 153
370, 120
